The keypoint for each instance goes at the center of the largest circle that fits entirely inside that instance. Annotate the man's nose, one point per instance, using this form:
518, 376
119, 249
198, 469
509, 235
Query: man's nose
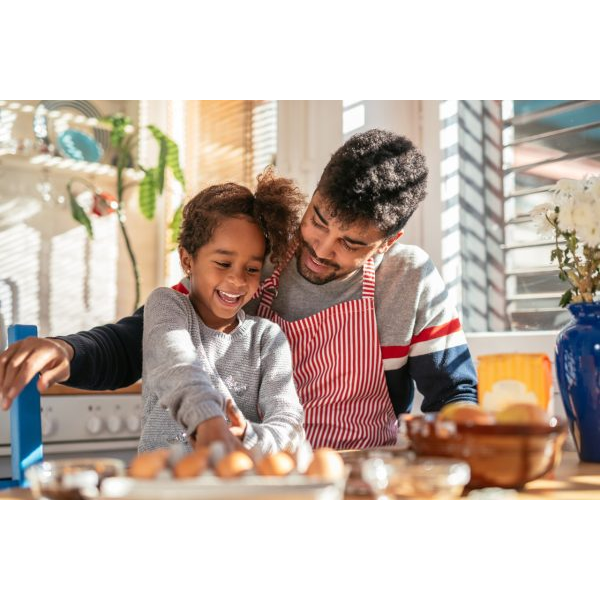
324, 247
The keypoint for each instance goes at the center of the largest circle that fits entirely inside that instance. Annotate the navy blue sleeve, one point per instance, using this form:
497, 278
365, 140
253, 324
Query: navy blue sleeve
444, 376
107, 357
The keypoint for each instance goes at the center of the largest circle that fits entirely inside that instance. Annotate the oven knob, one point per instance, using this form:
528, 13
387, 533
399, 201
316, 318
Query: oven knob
133, 423
114, 423
94, 425
47, 426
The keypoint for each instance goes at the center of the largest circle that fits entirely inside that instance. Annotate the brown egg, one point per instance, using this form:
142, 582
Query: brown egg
448, 410
522, 414
470, 414
276, 465
234, 464
326, 463
192, 465
149, 464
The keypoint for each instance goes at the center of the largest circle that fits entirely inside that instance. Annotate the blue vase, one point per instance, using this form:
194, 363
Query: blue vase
578, 372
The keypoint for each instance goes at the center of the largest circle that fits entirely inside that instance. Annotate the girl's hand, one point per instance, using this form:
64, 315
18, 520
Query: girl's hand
237, 421
216, 430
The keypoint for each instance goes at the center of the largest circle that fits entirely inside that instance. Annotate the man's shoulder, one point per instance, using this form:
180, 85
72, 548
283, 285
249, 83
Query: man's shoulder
405, 258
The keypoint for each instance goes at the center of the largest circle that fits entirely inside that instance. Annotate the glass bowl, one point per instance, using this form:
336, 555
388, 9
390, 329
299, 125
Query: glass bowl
72, 479
412, 477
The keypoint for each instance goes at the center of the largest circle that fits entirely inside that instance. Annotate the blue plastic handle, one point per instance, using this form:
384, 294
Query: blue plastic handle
25, 420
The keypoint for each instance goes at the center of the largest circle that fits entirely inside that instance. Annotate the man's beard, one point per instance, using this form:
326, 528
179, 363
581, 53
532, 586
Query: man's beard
311, 276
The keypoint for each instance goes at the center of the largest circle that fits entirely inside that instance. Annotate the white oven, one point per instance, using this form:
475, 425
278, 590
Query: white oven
83, 424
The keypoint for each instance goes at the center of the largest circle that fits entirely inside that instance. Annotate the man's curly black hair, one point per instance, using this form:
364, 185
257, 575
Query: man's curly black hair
377, 177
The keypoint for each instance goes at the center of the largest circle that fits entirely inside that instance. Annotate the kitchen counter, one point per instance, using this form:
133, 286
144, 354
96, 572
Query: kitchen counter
572, 480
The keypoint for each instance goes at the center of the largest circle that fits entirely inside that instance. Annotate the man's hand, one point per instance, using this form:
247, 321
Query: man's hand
237, 421
21, 361
216, 430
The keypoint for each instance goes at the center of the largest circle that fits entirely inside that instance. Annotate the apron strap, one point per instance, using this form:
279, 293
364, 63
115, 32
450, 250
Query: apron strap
269, 287
368, 286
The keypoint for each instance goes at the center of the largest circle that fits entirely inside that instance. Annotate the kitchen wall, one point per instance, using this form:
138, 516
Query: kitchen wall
51, 273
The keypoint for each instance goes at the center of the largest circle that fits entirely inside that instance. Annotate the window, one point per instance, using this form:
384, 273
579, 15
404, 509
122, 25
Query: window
229, 140
543, 141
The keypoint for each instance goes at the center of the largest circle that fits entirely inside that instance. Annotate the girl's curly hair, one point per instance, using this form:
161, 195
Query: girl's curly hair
276, 206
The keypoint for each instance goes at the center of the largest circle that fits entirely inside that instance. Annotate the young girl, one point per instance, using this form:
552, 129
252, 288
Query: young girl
201, 351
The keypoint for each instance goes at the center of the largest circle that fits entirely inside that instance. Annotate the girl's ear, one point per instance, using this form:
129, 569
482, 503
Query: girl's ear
185, 260
390, 242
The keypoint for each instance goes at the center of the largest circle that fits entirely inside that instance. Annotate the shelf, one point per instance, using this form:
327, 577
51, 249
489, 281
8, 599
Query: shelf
58, 115
66, 166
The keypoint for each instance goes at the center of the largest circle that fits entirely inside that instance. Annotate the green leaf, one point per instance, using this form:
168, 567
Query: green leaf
79, 215
148, 194
162, 164
565, 299
175, 224
172, 156
118, 123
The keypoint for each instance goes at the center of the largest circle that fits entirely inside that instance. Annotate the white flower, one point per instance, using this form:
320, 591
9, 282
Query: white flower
566, 221
589, 234
569, 187
544, 216
584, 214
593, 184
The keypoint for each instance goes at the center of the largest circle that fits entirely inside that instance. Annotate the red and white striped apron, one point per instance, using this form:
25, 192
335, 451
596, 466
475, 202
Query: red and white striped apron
338, 368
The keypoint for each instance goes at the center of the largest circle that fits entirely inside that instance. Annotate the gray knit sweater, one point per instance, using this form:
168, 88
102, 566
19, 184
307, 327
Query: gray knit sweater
189, 371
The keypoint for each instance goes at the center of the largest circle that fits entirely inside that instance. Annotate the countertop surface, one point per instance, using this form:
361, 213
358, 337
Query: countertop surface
571, 480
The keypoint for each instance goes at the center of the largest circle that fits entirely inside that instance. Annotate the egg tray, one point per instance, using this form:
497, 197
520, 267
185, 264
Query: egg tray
211, 487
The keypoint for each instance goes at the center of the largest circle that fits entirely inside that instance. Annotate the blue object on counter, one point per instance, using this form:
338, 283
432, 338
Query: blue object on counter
25, 420
578, 374
77, 145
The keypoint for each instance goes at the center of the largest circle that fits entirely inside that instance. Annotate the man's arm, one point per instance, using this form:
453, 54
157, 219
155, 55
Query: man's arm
109, 356
106, 357
439, 360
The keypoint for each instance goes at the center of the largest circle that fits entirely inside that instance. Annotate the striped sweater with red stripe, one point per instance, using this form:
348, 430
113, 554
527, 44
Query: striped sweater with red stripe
422, 341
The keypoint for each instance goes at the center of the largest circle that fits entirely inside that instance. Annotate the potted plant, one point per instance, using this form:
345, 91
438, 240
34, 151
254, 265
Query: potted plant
151, 186
573, 218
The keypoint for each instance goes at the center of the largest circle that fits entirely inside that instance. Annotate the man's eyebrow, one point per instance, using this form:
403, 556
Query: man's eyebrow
348, 239
230, 253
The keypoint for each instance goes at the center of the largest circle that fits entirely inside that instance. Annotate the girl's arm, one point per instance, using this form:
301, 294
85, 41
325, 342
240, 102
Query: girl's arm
173, 369
282, 414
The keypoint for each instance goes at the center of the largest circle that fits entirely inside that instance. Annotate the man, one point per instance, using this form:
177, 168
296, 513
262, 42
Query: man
365, 316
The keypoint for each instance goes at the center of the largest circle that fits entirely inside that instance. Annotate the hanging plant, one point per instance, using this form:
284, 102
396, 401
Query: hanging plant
150, 188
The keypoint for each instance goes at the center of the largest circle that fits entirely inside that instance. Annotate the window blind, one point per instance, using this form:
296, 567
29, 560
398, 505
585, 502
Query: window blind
543, 141
229, 140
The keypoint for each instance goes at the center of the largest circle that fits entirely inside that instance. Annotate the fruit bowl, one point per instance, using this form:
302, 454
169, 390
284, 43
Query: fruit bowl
499, 455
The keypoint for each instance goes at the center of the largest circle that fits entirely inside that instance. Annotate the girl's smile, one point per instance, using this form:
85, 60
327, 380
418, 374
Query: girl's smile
225, 272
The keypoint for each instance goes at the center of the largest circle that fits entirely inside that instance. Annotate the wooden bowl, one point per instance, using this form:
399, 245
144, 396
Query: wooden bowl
505, 456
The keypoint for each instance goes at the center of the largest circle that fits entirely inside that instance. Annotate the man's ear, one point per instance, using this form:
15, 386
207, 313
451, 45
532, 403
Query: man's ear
185, 260
390, 242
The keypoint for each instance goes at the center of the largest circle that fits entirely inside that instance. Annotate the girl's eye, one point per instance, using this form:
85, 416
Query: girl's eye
253, 270
222, 265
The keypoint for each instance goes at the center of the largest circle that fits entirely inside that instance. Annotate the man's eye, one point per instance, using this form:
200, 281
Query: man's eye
347, 246
316, 223
253, 270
